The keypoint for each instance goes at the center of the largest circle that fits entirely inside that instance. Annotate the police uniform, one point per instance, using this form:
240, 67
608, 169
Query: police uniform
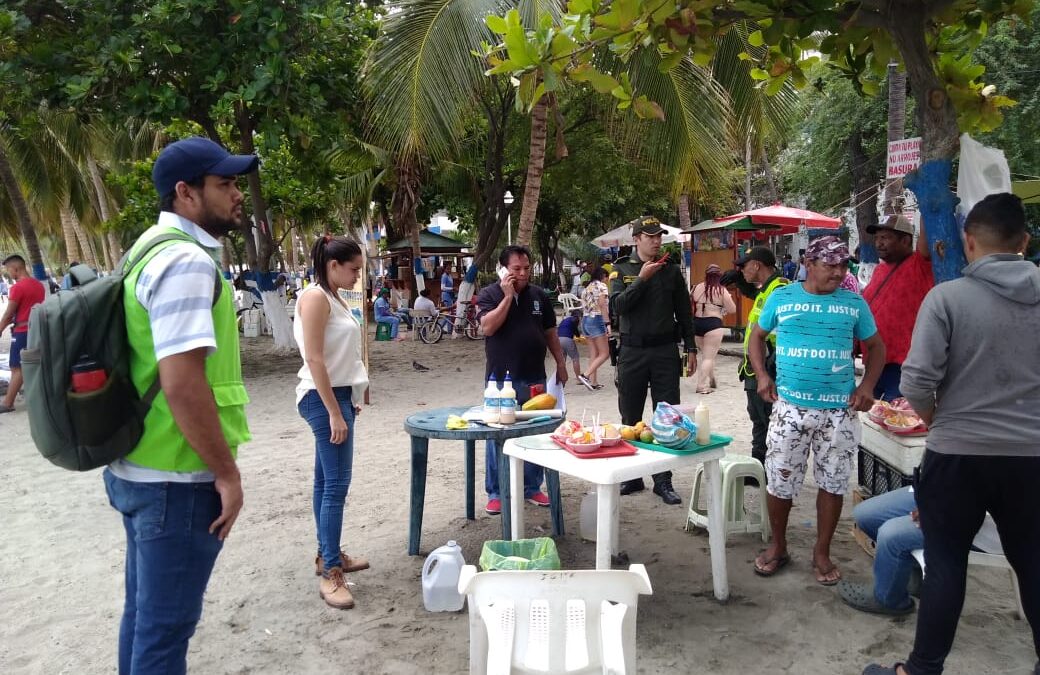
653, 315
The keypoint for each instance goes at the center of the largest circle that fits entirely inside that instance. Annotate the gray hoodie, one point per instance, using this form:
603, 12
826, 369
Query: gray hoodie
975, 357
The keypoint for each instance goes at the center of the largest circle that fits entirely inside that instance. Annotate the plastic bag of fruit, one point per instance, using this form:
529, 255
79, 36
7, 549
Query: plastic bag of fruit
671, 427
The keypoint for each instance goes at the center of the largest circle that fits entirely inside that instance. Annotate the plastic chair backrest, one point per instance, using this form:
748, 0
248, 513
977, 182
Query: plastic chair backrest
570, 302
419, 317
564, 621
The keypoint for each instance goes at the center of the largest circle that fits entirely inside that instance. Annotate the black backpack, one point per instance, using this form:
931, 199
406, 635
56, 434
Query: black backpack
84, 431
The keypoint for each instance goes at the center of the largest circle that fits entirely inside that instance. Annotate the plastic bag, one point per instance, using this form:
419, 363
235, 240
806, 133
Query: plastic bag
671, 427
983, 171
555, 389
520, 554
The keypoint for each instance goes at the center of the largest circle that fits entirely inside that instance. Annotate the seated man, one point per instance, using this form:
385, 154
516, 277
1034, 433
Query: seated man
890, 519
386, 315
423, 303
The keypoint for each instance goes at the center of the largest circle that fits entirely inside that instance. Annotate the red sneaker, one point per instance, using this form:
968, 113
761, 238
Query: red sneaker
494, 507
538, 499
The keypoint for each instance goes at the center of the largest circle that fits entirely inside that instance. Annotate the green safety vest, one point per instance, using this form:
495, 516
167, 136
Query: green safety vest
756, 311
162, 445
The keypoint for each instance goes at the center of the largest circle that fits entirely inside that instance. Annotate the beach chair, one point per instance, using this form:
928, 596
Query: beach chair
566, 621
569, 302
985, 560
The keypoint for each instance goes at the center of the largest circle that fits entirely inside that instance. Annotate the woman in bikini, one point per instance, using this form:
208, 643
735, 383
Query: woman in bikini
710, 303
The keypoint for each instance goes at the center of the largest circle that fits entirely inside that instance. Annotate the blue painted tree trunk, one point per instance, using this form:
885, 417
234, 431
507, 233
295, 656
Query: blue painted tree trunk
39, 272
867, 253
930, 183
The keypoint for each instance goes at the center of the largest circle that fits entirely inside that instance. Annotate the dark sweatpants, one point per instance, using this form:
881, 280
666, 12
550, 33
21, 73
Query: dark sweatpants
953, 493
759, 411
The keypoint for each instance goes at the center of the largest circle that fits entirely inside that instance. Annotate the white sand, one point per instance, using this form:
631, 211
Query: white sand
61, 585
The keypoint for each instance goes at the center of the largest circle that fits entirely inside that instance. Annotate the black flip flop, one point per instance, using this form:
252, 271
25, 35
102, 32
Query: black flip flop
817, 572
781, 562
876, 669
861, 596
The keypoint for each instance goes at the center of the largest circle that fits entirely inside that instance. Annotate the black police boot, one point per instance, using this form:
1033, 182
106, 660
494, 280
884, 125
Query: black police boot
664, 490
630, 486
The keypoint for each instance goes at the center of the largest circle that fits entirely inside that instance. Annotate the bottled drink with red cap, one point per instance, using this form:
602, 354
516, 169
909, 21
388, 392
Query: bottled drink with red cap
87, 375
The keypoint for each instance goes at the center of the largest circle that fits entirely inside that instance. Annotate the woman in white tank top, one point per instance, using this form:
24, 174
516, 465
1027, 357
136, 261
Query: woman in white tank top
332, 381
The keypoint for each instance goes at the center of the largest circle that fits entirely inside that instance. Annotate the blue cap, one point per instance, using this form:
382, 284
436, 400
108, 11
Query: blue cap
194, 157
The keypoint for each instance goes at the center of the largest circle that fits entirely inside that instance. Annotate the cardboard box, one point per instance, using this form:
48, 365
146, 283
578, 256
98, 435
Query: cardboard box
865, 542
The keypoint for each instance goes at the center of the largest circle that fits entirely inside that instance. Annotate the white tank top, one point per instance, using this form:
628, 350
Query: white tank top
343, 349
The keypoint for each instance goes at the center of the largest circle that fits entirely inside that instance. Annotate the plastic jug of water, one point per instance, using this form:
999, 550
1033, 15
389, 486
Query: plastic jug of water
587, 521
440, 579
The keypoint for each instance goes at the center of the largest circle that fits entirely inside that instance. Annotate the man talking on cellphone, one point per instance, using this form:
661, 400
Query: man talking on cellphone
651, 301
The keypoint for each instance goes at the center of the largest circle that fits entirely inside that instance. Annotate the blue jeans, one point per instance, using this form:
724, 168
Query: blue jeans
533, 474
169, 557
886, 520
394, 323
333, 464
888, 383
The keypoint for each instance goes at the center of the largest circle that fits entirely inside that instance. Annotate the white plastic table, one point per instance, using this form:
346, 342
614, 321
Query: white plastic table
608, 474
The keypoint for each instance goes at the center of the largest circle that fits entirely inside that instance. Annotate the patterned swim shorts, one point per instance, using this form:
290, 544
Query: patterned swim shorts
831, 433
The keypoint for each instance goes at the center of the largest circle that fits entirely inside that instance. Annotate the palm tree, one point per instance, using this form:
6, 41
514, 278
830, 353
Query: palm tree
20, 208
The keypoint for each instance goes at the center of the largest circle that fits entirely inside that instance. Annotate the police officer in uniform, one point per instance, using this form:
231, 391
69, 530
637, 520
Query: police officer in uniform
756, 276
651, 301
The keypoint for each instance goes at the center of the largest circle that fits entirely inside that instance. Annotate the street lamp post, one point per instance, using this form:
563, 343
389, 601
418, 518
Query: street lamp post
507, 199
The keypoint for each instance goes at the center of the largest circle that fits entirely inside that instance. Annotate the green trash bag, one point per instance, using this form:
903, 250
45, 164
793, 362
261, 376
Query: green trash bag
522, 554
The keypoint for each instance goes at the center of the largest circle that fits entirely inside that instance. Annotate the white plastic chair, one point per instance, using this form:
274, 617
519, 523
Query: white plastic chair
566, 621
985, 560
734, 469
419, 317
569, 301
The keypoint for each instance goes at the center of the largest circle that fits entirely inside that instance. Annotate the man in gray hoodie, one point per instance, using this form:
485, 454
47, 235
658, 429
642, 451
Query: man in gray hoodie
973, 374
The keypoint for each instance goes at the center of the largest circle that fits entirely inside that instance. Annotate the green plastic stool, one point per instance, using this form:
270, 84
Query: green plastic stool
382, 332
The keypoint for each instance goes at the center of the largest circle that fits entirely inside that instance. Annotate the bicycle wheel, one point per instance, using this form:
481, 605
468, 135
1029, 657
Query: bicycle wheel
472, 330
431, 332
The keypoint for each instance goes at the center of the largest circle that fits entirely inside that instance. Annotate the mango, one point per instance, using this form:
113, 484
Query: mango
646, 436
540, 402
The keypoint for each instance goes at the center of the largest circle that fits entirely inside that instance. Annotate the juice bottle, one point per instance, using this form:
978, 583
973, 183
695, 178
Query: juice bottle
507, 402
492, 398
700, 418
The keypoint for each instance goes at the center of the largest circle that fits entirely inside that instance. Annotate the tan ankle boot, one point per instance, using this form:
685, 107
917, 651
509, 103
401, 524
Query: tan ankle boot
348, 563
333, 589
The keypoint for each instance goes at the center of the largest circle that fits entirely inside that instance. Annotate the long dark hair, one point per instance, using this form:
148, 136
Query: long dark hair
329, 247
712, 283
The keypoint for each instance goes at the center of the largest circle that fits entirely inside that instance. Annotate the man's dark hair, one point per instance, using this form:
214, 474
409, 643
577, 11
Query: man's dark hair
511, 250
787, 256
14, 258
998, 220
166, 201
425, 292
598, 274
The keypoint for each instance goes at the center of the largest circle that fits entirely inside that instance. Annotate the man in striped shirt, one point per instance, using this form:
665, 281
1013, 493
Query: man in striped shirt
179, 490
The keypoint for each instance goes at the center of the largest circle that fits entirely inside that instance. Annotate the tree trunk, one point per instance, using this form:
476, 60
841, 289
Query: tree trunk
864, 190
937, 120
259, 255
21, 210
72, 250
86, 242
404, 204
896, 132
113, 250
774, 195
535, 166
684, 211
747, 174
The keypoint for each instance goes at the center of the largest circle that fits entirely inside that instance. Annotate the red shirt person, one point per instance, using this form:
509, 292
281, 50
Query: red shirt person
25, 294
895, 293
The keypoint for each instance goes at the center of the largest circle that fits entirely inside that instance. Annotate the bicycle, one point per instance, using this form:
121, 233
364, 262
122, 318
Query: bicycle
431, 332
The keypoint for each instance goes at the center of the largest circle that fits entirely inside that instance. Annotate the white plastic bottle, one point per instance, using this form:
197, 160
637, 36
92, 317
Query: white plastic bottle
700, 418
492, 399
507, 402
587, 522
440, 579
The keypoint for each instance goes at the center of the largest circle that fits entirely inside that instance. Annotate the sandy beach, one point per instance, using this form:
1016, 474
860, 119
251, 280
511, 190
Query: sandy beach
61, 586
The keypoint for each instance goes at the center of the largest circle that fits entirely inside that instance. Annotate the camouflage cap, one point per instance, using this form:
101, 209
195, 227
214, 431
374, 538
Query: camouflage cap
647, 225
829, 250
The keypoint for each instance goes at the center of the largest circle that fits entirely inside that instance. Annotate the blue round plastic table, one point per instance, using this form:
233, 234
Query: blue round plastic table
422, 426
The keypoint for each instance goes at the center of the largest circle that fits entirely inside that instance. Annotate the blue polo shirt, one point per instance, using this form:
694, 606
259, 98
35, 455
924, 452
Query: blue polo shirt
814, 336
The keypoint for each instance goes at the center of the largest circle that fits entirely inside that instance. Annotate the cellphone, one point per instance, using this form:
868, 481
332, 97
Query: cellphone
502, 273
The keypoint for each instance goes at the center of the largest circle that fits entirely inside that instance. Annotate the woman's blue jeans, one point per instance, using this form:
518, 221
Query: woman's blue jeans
886, 519
333, 463
170, 554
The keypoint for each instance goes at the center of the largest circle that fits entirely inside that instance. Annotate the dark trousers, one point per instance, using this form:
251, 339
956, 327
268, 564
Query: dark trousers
639, 368
887, 386
954, 492
759, 411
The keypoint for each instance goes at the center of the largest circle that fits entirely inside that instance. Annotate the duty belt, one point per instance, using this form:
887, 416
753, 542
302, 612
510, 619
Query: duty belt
648, 340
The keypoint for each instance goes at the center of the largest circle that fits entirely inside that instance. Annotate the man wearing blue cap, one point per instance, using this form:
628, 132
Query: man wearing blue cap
179, 490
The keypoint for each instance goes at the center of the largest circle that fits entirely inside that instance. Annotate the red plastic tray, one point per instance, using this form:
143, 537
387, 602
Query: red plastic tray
919, 430
622, 449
